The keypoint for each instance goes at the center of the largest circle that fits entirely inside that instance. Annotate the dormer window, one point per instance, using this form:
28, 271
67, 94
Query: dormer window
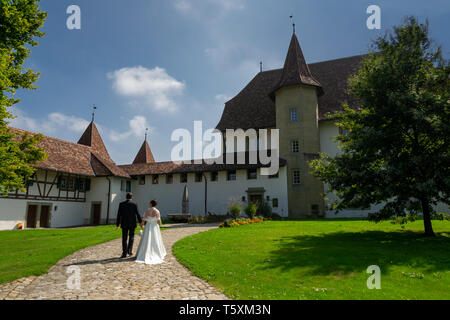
294, 115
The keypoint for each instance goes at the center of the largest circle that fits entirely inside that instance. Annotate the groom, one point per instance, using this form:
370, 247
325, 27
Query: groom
126, 218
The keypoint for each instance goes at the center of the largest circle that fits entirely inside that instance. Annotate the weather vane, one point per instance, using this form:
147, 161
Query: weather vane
293, 23
93, 112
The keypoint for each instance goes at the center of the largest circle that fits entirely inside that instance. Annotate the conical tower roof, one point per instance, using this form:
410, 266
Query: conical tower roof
295, 70
91, 138
144, 155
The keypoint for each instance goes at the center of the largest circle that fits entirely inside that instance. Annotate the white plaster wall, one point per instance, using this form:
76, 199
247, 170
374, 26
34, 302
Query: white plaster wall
328, 130
169, 196
117, 196
62, 214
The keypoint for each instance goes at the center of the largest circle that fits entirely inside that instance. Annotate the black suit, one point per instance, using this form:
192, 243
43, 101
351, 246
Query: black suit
127, 218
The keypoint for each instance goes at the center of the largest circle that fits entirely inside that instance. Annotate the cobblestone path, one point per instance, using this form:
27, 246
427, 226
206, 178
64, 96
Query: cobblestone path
105, 276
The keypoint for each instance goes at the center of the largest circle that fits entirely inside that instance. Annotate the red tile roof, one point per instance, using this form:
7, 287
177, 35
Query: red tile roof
74, 158
182, 167
144, 155
91, 138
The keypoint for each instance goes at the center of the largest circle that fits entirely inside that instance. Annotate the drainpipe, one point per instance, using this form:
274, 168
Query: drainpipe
109, 200
206, 195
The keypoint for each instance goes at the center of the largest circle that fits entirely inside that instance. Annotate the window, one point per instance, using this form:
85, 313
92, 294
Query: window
296, 177
231, 175
274, 176
252, 174
141, 180
294, 115
243, 198
128, 186
122, 185
214, 176
294, 146
198, 177
81, 185
66, 183
183, 177
275, 203
70, 183
169, 179
155, 179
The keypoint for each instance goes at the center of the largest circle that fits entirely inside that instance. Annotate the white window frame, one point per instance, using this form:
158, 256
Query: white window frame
293, 114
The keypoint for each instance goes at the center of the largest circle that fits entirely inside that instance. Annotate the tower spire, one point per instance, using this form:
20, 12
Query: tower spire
146, 133
293, 23
93, 112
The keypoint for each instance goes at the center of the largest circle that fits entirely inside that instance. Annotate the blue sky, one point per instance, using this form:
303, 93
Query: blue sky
164, 64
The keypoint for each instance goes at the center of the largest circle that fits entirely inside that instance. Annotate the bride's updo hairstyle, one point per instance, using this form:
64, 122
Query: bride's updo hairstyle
154, 203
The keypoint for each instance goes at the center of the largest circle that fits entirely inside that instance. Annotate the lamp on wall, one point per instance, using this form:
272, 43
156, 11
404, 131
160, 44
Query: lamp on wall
55, 208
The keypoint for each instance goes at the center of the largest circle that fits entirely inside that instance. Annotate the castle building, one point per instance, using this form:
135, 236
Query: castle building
79, 183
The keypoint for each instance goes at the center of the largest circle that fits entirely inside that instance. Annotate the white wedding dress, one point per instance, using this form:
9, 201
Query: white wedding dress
151, 248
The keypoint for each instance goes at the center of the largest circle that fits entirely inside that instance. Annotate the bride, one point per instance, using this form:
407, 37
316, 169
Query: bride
151, 248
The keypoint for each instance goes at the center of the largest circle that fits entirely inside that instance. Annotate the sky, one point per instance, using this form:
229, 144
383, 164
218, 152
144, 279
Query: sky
162, 64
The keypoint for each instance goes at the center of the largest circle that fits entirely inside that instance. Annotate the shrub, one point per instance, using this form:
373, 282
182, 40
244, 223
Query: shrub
235, 208
251, 210
440, 216
405, 219
266, 209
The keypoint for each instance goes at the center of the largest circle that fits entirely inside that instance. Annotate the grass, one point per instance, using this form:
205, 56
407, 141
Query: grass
322, 259
32, 252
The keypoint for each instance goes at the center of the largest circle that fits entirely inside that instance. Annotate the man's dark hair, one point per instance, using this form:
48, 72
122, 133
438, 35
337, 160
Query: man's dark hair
154, 203
129, 196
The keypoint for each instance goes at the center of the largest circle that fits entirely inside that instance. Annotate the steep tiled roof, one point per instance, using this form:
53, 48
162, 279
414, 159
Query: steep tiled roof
91, 138
144, 155
253, 108
295, 70
172, 167
74, 158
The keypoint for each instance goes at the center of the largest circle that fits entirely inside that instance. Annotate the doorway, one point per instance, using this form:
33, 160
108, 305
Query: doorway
31, 215
44, 221
96, 213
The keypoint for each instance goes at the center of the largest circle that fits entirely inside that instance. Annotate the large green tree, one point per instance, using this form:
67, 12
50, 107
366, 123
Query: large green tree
395, 152
20, 21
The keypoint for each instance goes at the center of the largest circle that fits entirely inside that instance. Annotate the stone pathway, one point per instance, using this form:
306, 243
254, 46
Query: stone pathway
104, 276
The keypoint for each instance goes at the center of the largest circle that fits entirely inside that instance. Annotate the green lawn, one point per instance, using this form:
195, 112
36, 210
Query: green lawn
321, 260
33, 252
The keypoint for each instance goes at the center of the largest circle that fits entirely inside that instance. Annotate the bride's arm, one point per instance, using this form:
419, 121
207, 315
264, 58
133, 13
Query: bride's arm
158, 216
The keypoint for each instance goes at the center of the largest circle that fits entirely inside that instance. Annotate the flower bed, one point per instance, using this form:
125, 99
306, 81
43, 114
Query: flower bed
241, 221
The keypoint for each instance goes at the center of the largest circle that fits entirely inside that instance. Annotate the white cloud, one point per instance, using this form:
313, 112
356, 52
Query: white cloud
151, 87
50, 124
137, 127
222, 98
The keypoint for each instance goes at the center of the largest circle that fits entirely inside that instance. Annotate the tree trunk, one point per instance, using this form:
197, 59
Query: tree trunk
427, 217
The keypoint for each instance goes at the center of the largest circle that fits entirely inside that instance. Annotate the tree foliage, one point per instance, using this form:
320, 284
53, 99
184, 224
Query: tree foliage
20, 21
396, 153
